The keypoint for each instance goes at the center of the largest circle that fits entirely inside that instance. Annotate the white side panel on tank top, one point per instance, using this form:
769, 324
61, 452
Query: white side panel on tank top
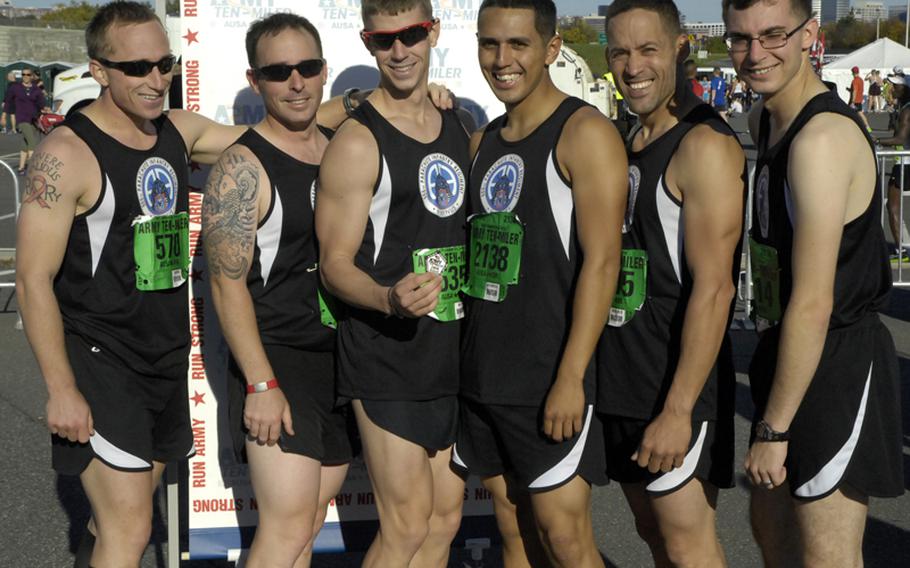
379, 209
561, 203
99, 222
268, 237
669, 213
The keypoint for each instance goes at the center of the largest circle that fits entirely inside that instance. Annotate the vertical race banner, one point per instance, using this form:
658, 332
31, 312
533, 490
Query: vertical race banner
222, 508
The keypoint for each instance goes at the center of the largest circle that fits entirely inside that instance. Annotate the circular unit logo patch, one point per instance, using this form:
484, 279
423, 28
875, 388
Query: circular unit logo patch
156, 187
501, 185
442, 185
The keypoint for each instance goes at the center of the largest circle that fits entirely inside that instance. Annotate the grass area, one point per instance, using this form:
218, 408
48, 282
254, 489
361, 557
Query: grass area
593, 54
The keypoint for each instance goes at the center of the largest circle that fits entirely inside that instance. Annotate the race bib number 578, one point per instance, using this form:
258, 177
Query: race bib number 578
161, 250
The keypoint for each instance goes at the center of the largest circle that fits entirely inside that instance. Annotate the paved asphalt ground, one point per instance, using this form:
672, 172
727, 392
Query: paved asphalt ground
42, 516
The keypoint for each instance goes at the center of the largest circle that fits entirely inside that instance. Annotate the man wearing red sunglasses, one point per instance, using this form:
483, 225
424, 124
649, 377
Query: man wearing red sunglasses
103, 259
390, 222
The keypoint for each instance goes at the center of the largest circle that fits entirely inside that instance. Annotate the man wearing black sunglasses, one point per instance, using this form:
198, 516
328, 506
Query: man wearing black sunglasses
547, 197
103, 259
824, 377
390, 221
260, 245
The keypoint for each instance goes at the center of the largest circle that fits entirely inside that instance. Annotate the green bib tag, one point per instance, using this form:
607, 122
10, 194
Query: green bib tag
447, 262
328, 307
495, 242
632, 288
161, 250
765, 283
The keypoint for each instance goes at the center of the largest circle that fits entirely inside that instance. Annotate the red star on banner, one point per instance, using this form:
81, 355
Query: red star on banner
190, 37
198, 398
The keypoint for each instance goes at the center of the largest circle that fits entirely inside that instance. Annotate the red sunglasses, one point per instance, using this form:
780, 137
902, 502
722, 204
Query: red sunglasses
408, 35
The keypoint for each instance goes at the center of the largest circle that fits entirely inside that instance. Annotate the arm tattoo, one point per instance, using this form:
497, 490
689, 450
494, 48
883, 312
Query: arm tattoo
40, 185
229, 215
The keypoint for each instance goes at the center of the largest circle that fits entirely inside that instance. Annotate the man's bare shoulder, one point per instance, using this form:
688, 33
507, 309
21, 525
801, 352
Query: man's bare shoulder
65, 154
831, 139
709, 142
352, 140
588, 131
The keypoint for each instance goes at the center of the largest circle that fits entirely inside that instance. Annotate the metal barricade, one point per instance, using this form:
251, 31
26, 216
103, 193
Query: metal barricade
901, 239
14, 218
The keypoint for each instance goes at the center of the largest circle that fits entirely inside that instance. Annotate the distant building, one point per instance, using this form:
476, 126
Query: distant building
597, 22
870, 11
833, 10
602, 10
705, 29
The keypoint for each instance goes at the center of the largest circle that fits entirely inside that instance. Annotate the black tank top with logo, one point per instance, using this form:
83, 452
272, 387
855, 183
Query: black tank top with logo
96, 286
862, 280
417, 204
512, 349
639, 351
284, 279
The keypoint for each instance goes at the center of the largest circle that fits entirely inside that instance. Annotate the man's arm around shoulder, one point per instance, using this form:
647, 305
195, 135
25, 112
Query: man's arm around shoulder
593, 157
56, 184
205, 139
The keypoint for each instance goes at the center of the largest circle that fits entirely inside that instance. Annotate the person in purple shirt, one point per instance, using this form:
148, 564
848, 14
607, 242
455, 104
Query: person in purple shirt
29, 103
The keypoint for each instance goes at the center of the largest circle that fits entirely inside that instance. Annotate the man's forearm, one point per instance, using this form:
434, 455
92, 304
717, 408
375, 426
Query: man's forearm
704, 326
238, 321
802, 340
44, 330
590, 309
354, 286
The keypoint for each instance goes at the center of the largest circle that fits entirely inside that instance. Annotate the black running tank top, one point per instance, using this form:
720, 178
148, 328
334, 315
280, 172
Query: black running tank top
284, 279
862, 279
96, 284
417, 203
512, 349
637, 358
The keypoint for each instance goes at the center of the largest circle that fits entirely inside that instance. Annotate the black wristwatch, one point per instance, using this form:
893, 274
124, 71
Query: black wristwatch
765, 433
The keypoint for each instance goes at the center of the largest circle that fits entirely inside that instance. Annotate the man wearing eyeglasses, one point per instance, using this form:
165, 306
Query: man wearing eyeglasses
28, 101
390, 222
261, 250
665, 364
103, 256
824, 377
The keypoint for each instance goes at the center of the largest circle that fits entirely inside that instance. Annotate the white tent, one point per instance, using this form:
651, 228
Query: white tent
882, 54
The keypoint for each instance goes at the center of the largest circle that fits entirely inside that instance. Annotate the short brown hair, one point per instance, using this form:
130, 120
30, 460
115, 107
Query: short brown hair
666, 9
273, 25
544, 13
120, 13
800, 8
369, 8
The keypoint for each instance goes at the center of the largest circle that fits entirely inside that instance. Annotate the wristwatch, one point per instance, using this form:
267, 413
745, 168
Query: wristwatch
765, 433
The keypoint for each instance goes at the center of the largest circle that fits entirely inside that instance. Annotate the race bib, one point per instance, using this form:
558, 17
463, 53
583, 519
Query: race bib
328, 307
495, 245
161, 250
765, 284
447, 262
632, 288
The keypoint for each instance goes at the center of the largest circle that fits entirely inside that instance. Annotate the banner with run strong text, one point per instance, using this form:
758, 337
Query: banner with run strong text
222, 509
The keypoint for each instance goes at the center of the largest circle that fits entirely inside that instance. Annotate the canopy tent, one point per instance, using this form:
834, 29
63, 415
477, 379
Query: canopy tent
882, 54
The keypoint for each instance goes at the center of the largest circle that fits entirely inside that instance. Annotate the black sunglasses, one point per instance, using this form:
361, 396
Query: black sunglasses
408, 35
282, 71
140, 68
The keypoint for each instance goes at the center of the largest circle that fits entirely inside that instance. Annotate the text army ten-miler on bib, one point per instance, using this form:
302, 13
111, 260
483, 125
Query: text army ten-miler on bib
766, 284
495, 249
161, 250
631, 290
447, 262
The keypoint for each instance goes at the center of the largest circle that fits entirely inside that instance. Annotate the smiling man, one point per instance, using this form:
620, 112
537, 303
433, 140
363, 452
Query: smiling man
390, 221
548, 187
824, 378
261, 248
665, 372
103, 254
